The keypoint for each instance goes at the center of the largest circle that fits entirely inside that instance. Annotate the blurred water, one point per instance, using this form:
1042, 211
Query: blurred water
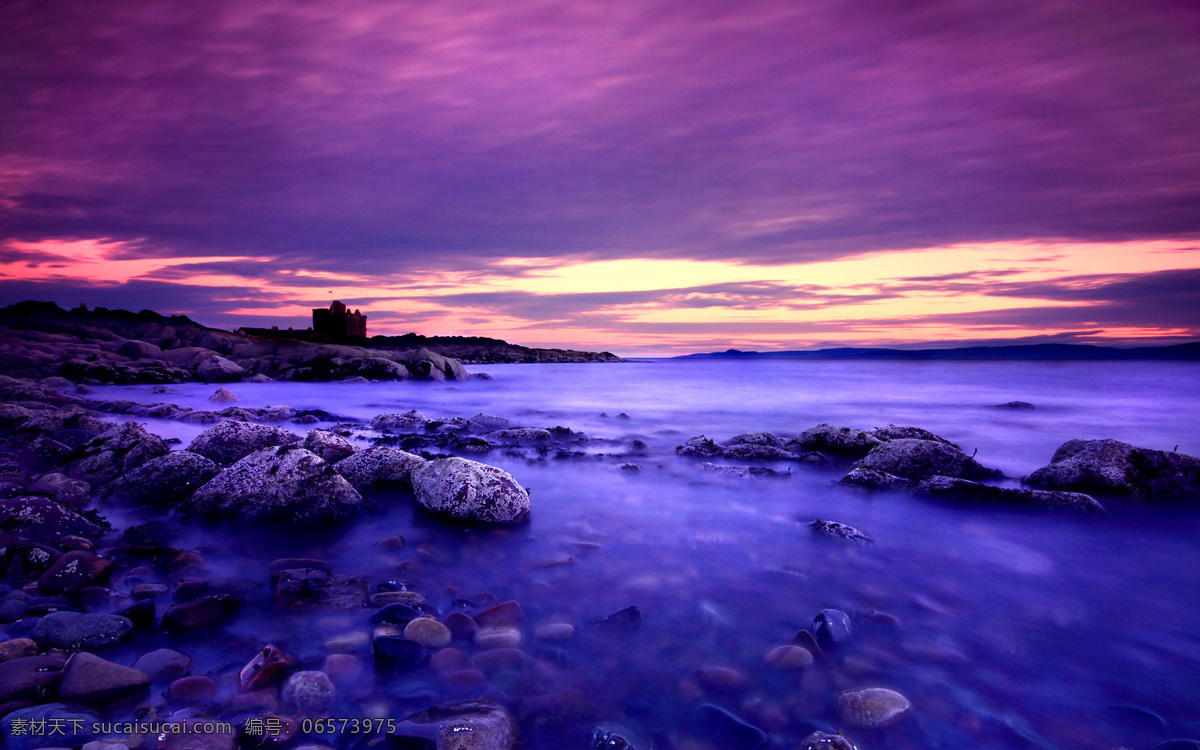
1016, 630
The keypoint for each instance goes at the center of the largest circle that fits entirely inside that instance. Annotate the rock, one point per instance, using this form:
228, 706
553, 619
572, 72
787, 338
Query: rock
223, 396
496, 659
201, 614
76, 725
330, 447
554, 631
728, 731
344, 670
840, 531
232, 441
194, 689
700, 446
466, 490
165, 481
789, 658
723, 678
397, 614
832, 628
398, 654
962, 491
520, 435
873, 480
120, 449
43, 520
461, 625
73, 571
498, 637
1015, 406
217, 369
825, 741
752, 452
380, 466
409, 421
284, 483
264, 670
307, 589
607, 737
89, 679
842, 442
447, 660
72, 631
629, 618
488, 422
311, 692
740, 472
365, 369
428, 632
29, 678
755, 438
17, 648
60, 488
634, 468
469, 725
892, 432
871, 708
916, 459
383, 598
1110, 467
505, 613
164, 664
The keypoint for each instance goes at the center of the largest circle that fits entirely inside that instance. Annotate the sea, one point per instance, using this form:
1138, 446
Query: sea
1002, 628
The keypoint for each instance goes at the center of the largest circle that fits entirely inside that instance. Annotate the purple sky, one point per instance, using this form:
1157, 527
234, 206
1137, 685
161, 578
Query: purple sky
373, 144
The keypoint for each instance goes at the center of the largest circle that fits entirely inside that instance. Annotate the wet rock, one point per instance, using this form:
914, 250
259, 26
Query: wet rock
633, 468
1014, 406
505, 613
727, 730
470, 491
470, 725
72, 631
398, 614
395, 653
755, 438
893, 432
871, 708
498, 637
165, 481
488, 422
311, 692
380, 466
29, 678
60, 488
223, 396
232, 441
73, 571
752, 452
700, 446
965, 492
149, 590
498, 658
76, 723
141, 614
332, 448
825, 741
428, 632
843, 442
409, 421
265, 669
831, 628
916, 459
1110, 467
164, 664
740, 472
609, 737
197, 689
89, 679
839, 531
723, 678
873, 480
202, 614
284, 483
520, 435
461, 625
17, 648
629, 618
306, 589
789, 658
384, 598
116, 451
554, 631
447, 660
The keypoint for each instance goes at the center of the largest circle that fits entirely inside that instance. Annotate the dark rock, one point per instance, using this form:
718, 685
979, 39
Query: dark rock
17, 648
77, 726
165, 481
164, 664
89, 679
873, 480
835, 530
43, 520
120, 449
194, 689
755, 438
284, 483
871, 708
893, 432
141, 614
740, 472
842, 442
409, 421
397, 614
466, 490
232, 441
398, 654
470, 725
1110, 467
201, 614
727, 730
488, 422
29, 677
916, 459
380, 466
629, 618
72, 631
608, 737
962, 491
310, 691
752, 452
701, 446
825, 741
329, 446
832, 628
461, 625
73, 571
217, 369
1015, 406
506, 613
266, 669
307, 589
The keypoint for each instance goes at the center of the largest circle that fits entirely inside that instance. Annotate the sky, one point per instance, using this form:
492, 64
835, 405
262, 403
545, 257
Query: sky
636, 176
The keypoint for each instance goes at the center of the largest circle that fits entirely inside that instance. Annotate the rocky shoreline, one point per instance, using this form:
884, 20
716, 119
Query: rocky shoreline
99, 618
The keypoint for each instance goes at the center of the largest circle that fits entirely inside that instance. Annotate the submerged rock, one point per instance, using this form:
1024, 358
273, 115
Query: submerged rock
469, 725
898, 432
832, 628
284, 483
964, 491
871, 708
167, 480
89, 679
740, 472
825, 741
470, 491
842, 442
232, 441
916, 459
835, 530
701, 446
380, 466
1110, 467
409, 421
72, 631
43, 520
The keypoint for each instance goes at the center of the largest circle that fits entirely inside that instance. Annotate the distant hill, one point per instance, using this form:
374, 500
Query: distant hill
1068, 352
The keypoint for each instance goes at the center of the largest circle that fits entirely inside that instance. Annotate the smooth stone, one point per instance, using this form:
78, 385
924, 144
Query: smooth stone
507, 613
461, 625
447, 660
197, 688
164, 664
72, 631
554, 631
149, 590
723, 678
464, 678
350, 643
344, 670
498, 658
312, 692
87, 678
265, 669
825, 741
789, 658
831, 628
384, 598
870, 708
397, 614
428, 632
469, 725
396, 653
203, 613
17, 648
727, 730
502, 637
29, 677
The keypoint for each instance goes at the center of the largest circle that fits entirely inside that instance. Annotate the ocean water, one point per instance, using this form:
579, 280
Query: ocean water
1016, 630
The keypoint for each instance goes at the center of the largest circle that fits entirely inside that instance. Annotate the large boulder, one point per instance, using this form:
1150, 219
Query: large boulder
1110, 467
43, 520
165, 481
232, 441
217, 369
282, 483
120, 449
916, 459
409, 421
380, 466
470, 725
842, 442
329, 446
470, 491
966, 492
371, 368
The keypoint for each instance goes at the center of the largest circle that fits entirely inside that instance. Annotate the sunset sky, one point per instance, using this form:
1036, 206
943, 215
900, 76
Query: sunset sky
638, 176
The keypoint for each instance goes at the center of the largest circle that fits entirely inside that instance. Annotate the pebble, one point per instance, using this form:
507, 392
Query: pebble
464, 678
87, 678
428, 632
870, 708
164, 664
831, 627
498, 658
343, 669
447, 660
149, 590
488, 638
507, 613
383, 598
789, 658
197, 688
17, 648
723, 678
398, 653
554, 631
265, 669
310, 691
461, 625
349, 643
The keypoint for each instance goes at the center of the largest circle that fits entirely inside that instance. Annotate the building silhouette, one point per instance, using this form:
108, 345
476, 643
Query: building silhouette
339, 322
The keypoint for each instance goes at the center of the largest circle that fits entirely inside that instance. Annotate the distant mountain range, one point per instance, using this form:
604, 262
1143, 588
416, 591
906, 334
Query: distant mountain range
1178, 352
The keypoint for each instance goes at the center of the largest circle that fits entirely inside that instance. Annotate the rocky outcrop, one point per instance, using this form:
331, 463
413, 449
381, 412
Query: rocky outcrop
915, 459
283, 483
120, 449
966, 492
842, 442
43, 520
231, 441
466, 490
165, 481
1110, 467
329, 446
379, 467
